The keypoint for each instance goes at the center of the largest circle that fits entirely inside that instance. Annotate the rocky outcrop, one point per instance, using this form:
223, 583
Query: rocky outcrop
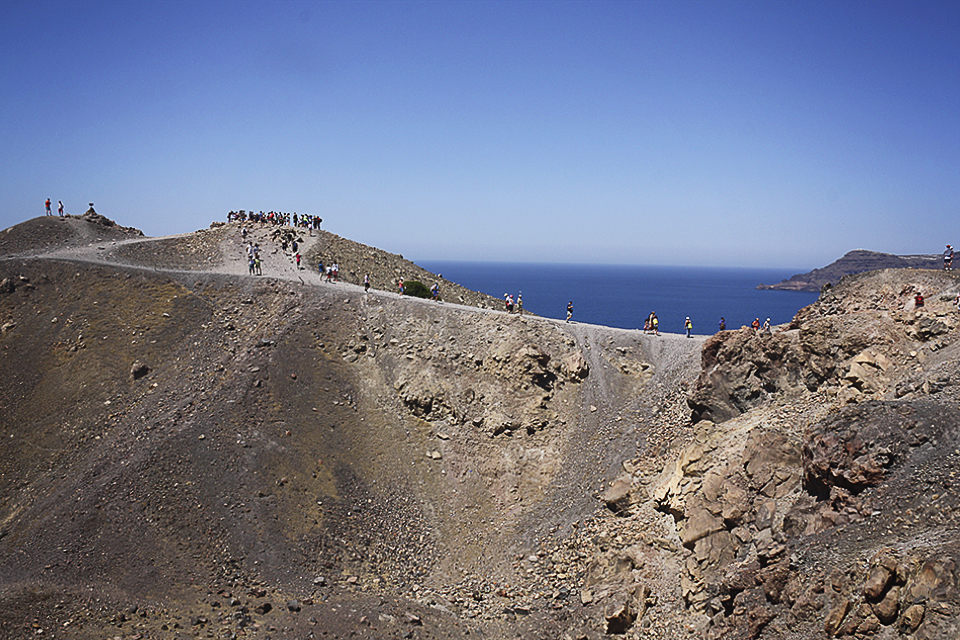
851, 342
857, 261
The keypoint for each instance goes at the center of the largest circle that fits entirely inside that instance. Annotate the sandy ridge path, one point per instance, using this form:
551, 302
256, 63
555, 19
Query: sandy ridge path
672, 354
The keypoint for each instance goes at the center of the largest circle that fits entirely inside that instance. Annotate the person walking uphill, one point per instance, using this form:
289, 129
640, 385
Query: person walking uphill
688, 326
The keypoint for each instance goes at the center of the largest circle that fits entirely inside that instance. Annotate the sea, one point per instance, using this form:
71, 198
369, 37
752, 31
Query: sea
623, 296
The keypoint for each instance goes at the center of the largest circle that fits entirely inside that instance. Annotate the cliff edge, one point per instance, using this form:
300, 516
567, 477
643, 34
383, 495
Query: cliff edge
856, 261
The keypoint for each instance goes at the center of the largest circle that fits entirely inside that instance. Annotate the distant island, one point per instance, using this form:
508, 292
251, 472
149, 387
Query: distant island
856, 261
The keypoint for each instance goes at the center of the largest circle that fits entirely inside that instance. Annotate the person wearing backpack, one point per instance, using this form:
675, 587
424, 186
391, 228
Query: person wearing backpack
688, 326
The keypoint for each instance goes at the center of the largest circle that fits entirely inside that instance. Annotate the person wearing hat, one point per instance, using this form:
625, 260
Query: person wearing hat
688, 326
948, 258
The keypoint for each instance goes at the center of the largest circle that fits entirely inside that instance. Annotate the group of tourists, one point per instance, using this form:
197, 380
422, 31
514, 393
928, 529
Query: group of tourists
303, 220
59, 208
508, 302
652, 324
332, 273
253, 258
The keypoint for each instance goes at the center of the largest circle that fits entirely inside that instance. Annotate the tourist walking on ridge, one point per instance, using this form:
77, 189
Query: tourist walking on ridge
366, 283
60, 207
948, 258
569, 310
766, 326
520, 303
435, 290
48, 207
722, 324
654, 323
688, 326
256, 264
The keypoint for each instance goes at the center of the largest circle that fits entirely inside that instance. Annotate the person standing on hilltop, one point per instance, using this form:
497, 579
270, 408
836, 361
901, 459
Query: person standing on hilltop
948, 258
688, 326
723, 324
520, 303
655, 324
60, 207
48, 207
569, 310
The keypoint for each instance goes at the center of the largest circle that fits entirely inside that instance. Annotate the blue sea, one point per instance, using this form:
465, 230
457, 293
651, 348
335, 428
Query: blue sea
623, 296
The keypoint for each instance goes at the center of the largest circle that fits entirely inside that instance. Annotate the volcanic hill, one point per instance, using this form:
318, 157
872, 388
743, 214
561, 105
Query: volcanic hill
191, 451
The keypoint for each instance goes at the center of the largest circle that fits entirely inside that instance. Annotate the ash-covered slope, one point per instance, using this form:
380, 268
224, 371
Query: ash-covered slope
192, 451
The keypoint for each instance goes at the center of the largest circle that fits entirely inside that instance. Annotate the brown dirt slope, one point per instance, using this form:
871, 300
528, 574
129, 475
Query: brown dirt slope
191, 451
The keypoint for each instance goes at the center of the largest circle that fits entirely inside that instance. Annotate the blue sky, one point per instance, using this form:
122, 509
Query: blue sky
774, 134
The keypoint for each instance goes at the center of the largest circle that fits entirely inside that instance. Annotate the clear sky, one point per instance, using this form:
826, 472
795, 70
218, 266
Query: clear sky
775, 134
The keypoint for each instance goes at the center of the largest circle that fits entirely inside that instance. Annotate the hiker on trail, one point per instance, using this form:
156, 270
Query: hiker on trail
508, 302
48, 207
766, 326
435, 290
60, 207
520, 303
336, 272
243, 232
654, 324
755, 324
256, 264
400, 285
298, 261
320, 268
250, 264
948, 258
918, 300
366, 283
688, 326
569, 310
723, 324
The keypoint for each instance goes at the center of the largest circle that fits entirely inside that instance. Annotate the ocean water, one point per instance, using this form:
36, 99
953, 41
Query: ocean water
623, 296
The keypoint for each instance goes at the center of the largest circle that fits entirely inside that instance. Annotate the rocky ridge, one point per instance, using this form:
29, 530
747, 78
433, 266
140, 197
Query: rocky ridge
218, 455
857, 261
